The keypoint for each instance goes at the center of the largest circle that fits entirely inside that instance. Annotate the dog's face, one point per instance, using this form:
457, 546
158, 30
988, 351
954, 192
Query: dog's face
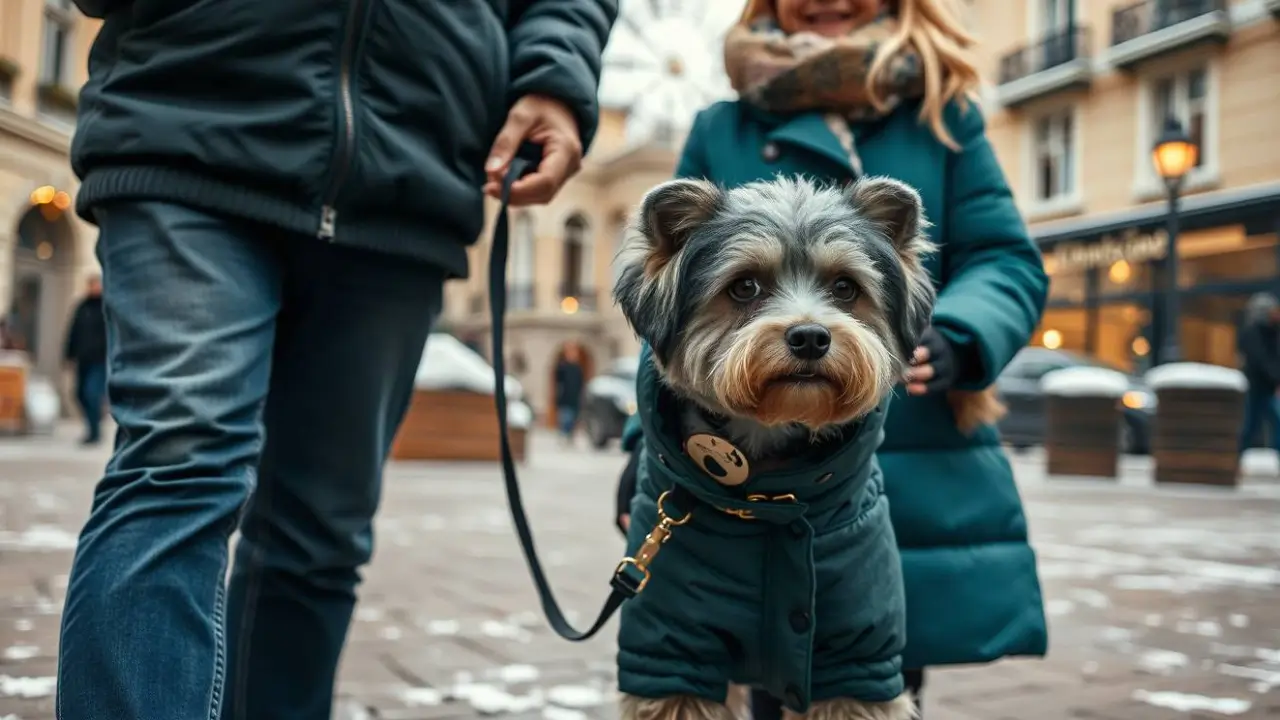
779, 301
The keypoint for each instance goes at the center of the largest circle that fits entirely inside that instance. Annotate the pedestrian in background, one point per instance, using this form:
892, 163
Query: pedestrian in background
973, 594
86, 349
1259, 345
281, 189
570, 379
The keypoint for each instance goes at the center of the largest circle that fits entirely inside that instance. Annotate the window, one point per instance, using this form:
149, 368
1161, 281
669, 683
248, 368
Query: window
1053, 16
1184, 96
1054, 152
575, 258
521, 279
59, 24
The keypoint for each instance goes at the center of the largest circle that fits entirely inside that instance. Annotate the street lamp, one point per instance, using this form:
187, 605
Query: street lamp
1174, 155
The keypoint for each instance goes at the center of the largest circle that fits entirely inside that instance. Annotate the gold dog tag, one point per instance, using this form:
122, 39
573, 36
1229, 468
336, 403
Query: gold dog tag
718, 458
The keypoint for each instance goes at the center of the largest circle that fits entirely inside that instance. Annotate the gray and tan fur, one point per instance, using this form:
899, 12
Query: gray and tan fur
691, 240
680, 276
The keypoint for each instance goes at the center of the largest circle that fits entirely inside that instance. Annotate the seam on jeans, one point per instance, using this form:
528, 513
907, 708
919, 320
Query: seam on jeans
219, 613
253, 588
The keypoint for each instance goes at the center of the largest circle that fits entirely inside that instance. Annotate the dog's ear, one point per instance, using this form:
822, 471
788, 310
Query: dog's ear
670, 213
647, 283
894, 206
899, 212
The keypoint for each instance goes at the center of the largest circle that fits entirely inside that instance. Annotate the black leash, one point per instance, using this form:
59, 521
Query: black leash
631, 575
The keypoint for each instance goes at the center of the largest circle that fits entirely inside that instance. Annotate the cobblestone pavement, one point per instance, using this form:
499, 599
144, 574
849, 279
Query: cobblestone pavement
1163, 603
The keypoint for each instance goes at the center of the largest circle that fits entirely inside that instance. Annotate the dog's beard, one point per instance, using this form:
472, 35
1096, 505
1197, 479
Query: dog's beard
758, 377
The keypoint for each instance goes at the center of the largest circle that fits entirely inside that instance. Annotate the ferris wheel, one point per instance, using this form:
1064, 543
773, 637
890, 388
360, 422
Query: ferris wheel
664, 62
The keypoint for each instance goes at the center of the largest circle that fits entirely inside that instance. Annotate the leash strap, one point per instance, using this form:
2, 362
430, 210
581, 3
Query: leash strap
632, 573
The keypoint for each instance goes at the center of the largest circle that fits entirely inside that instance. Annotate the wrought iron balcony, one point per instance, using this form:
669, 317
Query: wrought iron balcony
1150, 28
1056, 62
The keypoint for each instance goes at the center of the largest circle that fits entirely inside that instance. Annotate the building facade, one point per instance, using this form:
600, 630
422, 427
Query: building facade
559, 273
1080, 91
46, 252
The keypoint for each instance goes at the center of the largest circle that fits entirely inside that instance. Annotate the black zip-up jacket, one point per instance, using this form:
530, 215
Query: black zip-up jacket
87, 336
360, 122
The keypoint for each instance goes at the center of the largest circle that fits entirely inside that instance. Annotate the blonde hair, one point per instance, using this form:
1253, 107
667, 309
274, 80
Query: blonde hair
934, 30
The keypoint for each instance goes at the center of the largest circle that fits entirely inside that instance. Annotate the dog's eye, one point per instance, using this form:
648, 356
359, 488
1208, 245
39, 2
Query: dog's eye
844, 289
744, 289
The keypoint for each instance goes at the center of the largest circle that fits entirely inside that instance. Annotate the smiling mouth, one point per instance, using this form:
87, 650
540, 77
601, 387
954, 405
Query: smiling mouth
828, 17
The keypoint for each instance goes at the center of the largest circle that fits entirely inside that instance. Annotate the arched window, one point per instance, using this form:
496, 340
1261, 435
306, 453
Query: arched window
577, 270
520, 272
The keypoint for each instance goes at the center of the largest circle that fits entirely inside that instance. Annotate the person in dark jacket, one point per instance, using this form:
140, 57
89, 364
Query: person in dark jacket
569, 381
281, 189
1259, 344
87, 349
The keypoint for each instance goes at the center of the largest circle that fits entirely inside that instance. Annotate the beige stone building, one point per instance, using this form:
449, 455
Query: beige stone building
1080, 90
45, 251
559, 275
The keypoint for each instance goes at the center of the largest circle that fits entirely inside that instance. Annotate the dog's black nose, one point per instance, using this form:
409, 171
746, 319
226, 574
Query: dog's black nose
809, 341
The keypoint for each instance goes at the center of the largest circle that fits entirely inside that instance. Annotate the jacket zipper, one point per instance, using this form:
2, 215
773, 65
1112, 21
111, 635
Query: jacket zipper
328, 211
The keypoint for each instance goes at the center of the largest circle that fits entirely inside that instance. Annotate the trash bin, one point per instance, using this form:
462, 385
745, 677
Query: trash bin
1199, 416
1082, 421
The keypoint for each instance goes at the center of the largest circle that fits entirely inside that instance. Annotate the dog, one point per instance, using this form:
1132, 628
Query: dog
777, 316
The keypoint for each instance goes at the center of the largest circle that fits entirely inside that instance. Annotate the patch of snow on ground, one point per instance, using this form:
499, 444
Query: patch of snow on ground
21, 652
27, 687
39, 537
1161, 662
552, 712
576, 696
422, 697
1236, 620
1263, 679
1187, 703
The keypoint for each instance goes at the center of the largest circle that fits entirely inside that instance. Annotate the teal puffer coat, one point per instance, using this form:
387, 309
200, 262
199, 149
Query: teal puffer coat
790, 581
970, 573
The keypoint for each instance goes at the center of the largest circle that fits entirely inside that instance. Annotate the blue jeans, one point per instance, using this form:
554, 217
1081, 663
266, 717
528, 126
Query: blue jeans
91, 387
1260, 406
257, 379
567, 419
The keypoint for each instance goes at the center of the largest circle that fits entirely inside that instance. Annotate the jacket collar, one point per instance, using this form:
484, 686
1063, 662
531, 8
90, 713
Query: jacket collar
809, 130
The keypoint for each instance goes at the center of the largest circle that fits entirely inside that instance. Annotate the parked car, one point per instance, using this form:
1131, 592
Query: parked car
610, 398
1019, 389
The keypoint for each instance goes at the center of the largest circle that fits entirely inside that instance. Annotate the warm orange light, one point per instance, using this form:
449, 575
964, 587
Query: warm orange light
49, 211
1175, 158
61, 200
44, 250
43, 195
1119, 272
1051, 339
569, 305
1140, 346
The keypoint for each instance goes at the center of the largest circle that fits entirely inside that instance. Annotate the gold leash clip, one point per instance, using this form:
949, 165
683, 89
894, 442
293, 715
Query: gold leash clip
653, 542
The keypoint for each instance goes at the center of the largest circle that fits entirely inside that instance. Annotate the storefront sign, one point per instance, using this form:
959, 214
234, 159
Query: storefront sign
1131, 247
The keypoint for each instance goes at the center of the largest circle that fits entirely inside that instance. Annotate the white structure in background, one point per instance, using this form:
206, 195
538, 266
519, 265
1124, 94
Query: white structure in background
447, 364
665, 62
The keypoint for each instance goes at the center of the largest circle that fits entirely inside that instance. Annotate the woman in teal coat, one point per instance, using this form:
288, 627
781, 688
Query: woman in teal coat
837, 91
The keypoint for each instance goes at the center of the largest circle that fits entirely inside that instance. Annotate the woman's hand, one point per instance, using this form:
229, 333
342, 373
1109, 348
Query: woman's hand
933, 365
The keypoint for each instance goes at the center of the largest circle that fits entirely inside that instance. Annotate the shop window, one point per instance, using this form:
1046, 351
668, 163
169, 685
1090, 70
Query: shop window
1054, 150
1226, 256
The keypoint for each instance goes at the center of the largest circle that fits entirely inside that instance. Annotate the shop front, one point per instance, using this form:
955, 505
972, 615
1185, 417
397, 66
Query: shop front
1107, 278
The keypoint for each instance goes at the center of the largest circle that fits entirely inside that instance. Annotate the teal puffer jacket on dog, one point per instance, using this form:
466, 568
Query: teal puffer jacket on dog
790, 581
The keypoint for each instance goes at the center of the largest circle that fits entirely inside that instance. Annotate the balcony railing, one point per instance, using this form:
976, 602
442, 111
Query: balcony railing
1143, 18
1056, 62
1051, 51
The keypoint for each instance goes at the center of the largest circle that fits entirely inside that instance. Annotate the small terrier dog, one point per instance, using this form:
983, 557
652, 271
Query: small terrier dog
779, 315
